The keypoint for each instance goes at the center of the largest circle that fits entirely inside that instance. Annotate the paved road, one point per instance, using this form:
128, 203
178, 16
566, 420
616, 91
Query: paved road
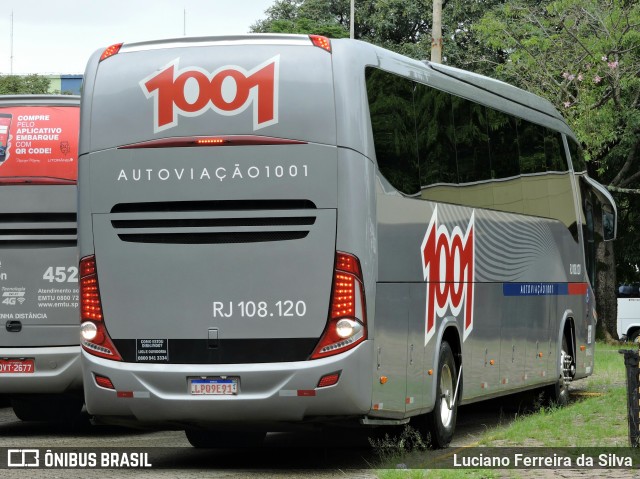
286, 455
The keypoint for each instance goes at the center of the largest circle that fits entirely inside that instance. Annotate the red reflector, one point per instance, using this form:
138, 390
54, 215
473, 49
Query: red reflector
321, 42
328, 380
125, 394
231, 140
110, 51
104, 382
306, 392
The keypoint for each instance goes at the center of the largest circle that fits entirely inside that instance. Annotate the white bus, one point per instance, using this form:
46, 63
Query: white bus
279, 231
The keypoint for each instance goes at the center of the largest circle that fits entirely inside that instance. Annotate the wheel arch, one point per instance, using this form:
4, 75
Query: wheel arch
450, 332
567, 329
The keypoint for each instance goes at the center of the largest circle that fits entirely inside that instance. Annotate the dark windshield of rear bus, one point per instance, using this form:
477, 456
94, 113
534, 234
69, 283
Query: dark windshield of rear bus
39, 144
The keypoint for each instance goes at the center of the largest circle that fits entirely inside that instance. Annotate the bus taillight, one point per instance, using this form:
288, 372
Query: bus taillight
347, 323
95, 339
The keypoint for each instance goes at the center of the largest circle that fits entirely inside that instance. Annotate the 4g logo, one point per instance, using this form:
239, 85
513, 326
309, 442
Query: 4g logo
228, 91
448, 261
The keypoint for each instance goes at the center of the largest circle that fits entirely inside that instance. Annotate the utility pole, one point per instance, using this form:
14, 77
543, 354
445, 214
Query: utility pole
352, 19
436, 32
11, 47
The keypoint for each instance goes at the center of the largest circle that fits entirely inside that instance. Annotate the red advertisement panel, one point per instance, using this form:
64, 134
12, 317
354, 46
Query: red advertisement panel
39, 141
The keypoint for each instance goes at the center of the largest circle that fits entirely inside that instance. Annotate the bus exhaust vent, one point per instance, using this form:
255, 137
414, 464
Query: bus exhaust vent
191, 223
223, 205
37, 230
213, 238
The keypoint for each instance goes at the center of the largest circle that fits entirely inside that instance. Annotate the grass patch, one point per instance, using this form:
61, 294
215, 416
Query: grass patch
595, 417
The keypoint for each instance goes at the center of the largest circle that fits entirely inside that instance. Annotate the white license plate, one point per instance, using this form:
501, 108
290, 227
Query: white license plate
213, 386
17, 366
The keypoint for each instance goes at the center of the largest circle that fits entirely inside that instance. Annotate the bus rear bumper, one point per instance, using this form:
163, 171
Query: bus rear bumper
268, 392
57, 370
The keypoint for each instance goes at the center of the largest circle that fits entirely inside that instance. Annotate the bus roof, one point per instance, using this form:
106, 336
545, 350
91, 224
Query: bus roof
35, 100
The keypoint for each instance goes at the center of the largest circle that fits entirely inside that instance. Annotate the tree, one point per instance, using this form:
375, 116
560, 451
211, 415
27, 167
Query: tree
399, 25
16, 85
584, 56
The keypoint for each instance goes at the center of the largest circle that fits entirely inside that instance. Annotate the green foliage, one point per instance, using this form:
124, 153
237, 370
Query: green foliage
584, 56
399, 25
17, 85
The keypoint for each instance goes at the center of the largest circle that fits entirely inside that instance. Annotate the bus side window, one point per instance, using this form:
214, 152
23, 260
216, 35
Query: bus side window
394, 129
436, 139
472, 141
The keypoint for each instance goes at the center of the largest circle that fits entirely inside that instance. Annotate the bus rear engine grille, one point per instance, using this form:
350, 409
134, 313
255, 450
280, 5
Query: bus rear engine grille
214, 226
213, 238
37, 230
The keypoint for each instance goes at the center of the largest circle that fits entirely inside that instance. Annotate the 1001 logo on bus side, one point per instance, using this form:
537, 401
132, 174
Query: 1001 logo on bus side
447, 263
228, 91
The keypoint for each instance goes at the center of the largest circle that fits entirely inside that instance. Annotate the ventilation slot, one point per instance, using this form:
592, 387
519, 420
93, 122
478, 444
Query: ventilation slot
213, 238
214, 222
230, 205
37, 230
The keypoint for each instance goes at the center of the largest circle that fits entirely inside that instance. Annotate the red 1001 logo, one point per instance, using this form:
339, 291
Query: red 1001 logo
228, 91
447, 263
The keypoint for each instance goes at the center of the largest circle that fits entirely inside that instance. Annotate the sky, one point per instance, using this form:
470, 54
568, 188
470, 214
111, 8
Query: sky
59, 36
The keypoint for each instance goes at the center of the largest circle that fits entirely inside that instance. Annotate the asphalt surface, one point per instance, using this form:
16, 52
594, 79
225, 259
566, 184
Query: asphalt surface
329, 454
338, 453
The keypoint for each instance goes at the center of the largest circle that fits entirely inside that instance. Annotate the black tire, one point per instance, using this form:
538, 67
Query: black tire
62, 408
212, 439
635, 337
558, 394
441, 422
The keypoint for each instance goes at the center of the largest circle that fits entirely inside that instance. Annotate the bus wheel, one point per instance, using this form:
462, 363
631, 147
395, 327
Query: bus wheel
441, 422
635, 337
558, 394
214, 439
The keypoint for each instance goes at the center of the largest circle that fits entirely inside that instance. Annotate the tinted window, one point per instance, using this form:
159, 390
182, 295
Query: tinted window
577, 157
436, 138
394, 129
531, 138
472, 141
503, 144
554, 152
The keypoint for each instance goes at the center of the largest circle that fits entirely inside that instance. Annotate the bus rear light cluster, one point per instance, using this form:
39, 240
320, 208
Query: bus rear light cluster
94, 337
347, 324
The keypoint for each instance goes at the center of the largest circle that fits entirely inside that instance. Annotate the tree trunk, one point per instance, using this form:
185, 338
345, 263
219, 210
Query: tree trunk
606, 301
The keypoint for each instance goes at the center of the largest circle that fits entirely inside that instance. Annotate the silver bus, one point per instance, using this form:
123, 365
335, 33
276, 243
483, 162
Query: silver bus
39, 333
280, 231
